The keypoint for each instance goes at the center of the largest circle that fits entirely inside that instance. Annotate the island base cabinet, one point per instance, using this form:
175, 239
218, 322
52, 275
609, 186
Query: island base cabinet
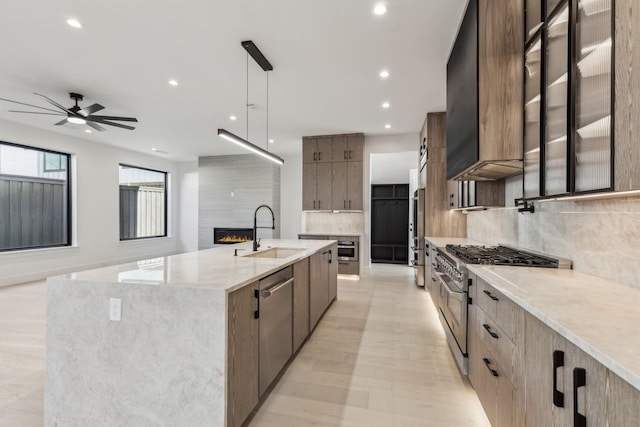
318, 287
242, 354
623, 402
333, 273
300, 303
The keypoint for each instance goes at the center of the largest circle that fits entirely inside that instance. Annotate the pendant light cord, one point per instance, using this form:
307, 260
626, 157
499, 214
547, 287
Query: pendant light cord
267, 111
247, 103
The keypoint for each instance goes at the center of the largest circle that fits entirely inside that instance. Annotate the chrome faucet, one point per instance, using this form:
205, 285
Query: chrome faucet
256, 243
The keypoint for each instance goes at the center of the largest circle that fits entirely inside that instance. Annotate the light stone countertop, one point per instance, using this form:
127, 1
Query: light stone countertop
599, 316
215, 268
332, 234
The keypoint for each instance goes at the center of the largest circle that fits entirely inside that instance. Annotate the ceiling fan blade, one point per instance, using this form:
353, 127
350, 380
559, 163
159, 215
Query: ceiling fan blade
90, 109
28, 105
52, 102
118, 125
122, 119
37, 112
95, 126
61, 122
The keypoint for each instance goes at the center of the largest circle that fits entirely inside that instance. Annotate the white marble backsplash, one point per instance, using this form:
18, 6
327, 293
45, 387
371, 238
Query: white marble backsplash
333, 223
601, 237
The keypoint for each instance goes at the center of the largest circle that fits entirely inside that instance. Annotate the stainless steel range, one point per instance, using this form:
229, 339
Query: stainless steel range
451, 265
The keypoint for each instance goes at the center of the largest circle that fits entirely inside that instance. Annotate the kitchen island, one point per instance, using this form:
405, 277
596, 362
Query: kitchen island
160, 342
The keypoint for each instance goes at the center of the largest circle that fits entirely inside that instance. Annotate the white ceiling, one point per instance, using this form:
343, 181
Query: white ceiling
326, 57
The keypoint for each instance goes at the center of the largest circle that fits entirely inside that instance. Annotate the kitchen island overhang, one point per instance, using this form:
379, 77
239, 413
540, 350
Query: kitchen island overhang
165, 361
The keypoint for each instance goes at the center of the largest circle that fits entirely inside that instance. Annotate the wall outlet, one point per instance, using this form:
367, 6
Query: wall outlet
115, 309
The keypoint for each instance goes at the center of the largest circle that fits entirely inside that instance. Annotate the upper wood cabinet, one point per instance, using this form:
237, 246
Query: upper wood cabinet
438, 221
317, 149
484, 92
335, 184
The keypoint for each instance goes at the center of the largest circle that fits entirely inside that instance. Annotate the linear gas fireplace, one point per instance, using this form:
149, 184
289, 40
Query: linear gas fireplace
227, 236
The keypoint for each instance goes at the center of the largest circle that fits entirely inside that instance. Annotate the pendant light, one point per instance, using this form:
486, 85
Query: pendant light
260, 59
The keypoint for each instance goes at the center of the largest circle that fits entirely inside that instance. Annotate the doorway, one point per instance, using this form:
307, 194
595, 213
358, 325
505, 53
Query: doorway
389, 223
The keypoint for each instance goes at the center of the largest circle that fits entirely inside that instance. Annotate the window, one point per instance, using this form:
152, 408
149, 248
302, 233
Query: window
143, 203
34, 199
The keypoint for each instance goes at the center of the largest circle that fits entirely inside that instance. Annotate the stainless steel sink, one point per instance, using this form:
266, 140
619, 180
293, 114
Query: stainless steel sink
275, 253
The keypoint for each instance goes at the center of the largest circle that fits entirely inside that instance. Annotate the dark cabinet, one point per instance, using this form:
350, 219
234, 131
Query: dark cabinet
484, 92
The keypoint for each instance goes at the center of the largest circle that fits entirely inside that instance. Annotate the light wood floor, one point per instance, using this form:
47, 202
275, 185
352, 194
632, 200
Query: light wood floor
378, 358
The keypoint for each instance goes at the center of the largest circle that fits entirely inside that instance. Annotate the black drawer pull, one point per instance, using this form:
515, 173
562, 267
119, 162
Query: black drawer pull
487, 362
490, 295
579, 380
488, 328
558, 362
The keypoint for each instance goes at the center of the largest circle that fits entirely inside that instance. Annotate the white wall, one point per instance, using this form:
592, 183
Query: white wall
392, 168
95, 209
291, 196
188, 229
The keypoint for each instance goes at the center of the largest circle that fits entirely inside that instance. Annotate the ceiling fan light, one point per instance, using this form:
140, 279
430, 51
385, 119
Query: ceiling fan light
76, 120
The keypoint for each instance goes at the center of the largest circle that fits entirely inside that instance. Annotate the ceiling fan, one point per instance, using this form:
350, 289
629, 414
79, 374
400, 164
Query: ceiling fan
77, 115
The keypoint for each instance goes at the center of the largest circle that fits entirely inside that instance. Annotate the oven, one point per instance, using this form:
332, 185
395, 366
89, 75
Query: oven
453, 297
347, 250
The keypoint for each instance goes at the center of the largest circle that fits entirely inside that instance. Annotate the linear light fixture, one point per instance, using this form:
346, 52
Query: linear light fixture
249, 146
264, 63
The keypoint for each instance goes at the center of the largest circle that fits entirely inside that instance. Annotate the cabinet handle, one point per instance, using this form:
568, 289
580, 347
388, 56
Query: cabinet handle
320, 155
433, 279
490, 295
350, 155
344, 204
493, 334
349, 204
330, 256
315, 156
487, 362
344, 155
579, 380
319, 204
558, 362
314, 204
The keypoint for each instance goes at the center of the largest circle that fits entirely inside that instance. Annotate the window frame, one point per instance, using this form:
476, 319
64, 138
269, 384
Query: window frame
165, 204
69, 203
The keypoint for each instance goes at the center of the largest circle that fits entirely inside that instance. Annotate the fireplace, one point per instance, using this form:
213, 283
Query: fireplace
227, 236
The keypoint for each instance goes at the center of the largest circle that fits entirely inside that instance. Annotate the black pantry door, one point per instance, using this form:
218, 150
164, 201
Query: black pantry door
390, 223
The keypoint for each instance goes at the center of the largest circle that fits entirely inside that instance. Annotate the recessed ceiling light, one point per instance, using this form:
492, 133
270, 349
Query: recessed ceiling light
387, 126
271, 141
76, 120
173, 82
384, 74
380, 9
232, 117
386, 105
87, 130
74, 23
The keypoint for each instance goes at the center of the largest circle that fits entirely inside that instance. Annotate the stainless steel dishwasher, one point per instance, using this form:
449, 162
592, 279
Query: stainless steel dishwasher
276, 324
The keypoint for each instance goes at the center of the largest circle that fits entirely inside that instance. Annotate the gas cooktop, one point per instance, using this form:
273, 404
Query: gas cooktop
504, 255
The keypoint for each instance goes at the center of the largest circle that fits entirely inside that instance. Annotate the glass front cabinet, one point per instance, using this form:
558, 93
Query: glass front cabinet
568, 97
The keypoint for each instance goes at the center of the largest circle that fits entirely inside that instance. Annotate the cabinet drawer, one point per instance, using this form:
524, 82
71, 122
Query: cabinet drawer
496, 342
499, 308
348, 267
495, 392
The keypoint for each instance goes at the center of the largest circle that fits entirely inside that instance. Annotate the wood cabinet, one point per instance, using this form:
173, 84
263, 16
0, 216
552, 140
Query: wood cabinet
242, 354
300, 303
323, 274
317, 149
316, 186
346, 186
557, 370
484, 92
438, 221
622, 402
496, 357
336, 183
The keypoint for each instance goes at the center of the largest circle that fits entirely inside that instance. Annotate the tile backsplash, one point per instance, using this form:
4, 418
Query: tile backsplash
601, 237
333, 223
